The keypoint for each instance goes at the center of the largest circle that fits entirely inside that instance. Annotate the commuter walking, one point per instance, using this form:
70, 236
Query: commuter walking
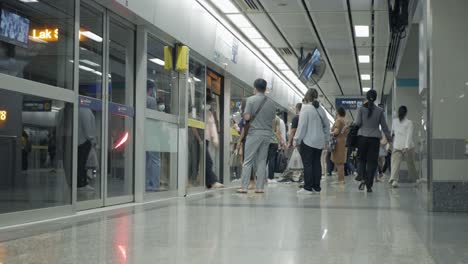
369, 118
211, 134
312, 135
403, 146
338, 155
259, 115
382, 157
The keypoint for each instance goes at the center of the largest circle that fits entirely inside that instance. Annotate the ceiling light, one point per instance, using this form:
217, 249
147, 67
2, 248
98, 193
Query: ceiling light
282, 66
91, 35
29, 1
365, 77
90, 63
361, 31
239, 20
272, 55
260, 43
366, 89
364, 58
226, 6
251, 33
157, 61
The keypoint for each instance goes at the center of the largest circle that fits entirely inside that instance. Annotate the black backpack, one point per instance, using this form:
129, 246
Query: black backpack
353, 138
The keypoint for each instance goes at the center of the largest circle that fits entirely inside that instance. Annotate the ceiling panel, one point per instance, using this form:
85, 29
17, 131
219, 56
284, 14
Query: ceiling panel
382, 31
283, 6
364, 5
264, 25
326, 5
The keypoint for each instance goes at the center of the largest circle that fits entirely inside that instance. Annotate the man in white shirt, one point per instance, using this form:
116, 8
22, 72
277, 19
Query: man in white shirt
403, 146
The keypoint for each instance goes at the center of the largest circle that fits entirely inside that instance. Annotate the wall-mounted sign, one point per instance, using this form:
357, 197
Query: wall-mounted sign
48, 35
121, 110
349, 103
37, 106
91, 103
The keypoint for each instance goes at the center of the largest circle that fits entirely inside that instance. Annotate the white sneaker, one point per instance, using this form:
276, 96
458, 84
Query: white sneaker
395, 184
305, 192
217, 185
391, 181
272, 181
87, 188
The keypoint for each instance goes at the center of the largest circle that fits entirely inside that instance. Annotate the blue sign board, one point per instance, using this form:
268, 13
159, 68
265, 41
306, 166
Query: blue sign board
349, 103
121, 110
91, 103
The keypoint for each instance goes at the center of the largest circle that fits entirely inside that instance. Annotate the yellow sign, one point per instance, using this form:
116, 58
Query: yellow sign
46, 34
3, 115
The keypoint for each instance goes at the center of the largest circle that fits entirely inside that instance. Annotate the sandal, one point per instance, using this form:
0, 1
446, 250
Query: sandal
241, 191
361, 186
259, 191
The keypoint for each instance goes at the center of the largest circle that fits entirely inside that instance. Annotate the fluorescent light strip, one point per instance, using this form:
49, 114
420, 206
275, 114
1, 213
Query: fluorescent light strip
91, 36
29, 1
239, 21
90, 63
157, 61
260, 43
226, 6
251, 33
365, 77
361, 31
364, 58
366, 89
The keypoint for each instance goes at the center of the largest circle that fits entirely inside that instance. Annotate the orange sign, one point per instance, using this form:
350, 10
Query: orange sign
3, 115
46, 34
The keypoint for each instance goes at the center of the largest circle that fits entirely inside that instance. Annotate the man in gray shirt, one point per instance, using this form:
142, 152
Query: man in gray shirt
260, 113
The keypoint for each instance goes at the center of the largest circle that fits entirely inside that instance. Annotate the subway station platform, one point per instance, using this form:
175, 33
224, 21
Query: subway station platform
340, 225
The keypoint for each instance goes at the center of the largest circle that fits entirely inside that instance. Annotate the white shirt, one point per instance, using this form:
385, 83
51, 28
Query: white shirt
313, 128
403, 132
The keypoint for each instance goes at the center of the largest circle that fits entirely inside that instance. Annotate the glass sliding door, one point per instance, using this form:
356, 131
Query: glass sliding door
106, 109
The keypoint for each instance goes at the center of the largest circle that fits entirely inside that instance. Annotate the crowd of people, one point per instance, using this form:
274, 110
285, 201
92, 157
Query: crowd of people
366, 148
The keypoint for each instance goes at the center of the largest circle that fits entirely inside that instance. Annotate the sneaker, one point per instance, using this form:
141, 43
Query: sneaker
391, 181
272, 181
217, 185
305, 192
395, 184
369, 189
87, 188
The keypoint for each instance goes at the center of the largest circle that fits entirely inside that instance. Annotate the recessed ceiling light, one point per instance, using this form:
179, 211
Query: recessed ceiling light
361, 31
239, 20
365, 77
157, 61
364, 58
226, 6
365, 89
251, 33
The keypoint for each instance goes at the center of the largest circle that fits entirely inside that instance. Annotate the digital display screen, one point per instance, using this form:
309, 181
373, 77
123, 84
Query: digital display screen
14, 28
309, 65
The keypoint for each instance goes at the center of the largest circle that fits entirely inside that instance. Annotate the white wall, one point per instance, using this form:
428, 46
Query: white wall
191, 24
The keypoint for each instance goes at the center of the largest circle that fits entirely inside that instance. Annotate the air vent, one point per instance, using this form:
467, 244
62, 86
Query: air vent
285, 51
249, 5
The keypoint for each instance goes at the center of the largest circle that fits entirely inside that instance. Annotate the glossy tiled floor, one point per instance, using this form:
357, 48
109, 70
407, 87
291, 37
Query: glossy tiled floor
341, 225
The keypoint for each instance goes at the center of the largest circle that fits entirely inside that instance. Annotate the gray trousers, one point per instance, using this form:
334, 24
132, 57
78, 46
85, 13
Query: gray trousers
397, 158
256, 151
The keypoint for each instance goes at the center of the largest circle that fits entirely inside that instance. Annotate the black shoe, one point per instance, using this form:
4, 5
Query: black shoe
369, 189
361, 186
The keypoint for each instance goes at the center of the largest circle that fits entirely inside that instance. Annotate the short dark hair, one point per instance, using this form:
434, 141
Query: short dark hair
260, 85
341, 111
149, 85
299, 106
311, 95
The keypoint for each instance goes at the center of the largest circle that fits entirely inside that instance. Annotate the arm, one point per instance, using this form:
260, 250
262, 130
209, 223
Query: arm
325, 126
196, 134
301, 129
358, 121
248, 111
278, 132
383, 124
291, 136
409, 135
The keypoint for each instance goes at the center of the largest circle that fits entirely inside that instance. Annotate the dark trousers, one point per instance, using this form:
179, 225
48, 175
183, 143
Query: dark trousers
330, 164
388, 163
210, 176
368, 158
83, 152
271, 160
312, 167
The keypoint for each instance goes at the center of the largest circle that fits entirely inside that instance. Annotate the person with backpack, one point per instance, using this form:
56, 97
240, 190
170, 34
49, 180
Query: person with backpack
369, 120
312, 135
